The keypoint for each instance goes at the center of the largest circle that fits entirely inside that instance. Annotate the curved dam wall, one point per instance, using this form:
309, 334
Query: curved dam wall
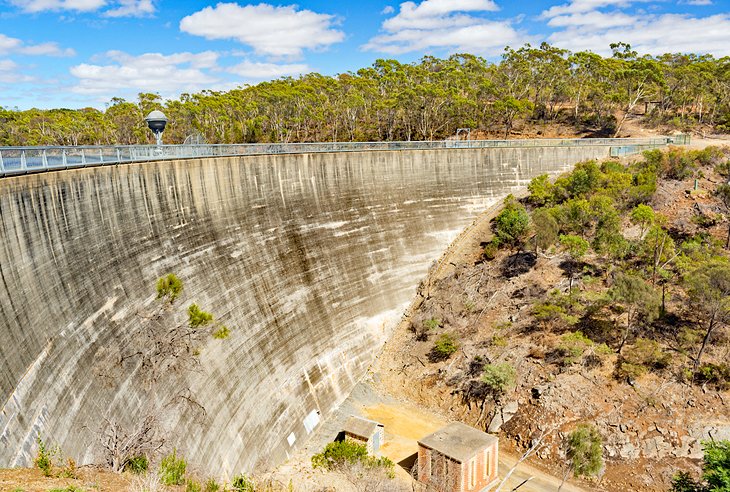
308, 259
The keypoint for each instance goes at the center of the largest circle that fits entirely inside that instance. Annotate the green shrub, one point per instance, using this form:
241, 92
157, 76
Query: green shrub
432, 324
222, 333
705, 221
551, 314
499, 377
541, 190
546, 229
678, 164
511, 224
137, 465
585, 450
723, 169
648, 353
169, 286
573, 345
643, 216
715, 470
211, 486
630, 371
339, 453
172, 469
499, 341
44, 457
197, 317
345, 453
714, 374
241, 483
192, 486
444, 348
490, 250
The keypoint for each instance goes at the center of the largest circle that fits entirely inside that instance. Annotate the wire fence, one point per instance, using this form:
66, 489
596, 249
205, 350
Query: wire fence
23, 160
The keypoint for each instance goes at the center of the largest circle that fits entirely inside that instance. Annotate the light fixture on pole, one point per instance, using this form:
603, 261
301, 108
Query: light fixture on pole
156, 121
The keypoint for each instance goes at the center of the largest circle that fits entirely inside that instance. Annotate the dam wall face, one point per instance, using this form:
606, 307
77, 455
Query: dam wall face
307, 259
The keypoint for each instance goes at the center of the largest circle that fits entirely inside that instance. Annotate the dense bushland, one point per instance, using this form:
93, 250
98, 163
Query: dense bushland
429, 99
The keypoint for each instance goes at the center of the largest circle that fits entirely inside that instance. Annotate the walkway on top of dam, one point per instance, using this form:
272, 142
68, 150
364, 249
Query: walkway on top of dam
24, 160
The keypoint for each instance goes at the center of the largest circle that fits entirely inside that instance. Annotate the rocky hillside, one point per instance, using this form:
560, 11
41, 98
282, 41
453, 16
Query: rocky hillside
599, 299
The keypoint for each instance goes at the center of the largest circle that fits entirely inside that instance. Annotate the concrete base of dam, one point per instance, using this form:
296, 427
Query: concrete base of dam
308, 260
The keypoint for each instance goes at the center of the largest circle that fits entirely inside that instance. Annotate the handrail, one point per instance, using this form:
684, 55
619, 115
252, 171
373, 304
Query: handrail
23, 160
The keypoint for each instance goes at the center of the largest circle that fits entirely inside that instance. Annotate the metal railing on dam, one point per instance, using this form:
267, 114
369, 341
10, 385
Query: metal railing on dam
23, 160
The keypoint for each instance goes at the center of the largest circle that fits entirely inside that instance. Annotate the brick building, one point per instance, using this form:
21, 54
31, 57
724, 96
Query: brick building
458, 458
364, 431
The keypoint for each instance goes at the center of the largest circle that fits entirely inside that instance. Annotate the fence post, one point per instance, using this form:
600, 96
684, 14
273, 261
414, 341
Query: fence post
83, 158
44, 159
22, 161
64, 161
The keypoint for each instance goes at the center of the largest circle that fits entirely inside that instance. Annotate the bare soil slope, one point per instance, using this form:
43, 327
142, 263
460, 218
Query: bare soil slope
651, 427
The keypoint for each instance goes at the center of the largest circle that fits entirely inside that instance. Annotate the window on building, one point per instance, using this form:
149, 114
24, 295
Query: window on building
472, 473
487, 464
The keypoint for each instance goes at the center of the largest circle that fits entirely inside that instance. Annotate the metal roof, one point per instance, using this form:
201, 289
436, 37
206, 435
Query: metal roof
458, 441
361, 427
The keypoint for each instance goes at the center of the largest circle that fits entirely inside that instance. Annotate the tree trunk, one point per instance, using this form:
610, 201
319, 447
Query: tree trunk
620, 124
626, 332
710, 328
565, 478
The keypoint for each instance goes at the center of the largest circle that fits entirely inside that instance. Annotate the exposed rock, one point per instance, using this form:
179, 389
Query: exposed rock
656, 447
629, 452
503, 416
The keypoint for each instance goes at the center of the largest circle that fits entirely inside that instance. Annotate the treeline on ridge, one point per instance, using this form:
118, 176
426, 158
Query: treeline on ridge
426, 100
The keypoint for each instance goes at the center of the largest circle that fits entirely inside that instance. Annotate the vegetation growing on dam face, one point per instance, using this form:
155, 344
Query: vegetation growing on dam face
429, 99
601, 297
166, 346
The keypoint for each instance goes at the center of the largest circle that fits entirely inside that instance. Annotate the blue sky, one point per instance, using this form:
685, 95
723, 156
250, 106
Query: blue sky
77, 53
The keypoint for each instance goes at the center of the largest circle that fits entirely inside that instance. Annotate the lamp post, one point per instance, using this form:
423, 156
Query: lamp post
156, 121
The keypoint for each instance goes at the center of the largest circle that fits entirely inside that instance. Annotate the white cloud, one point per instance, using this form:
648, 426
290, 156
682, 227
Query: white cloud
445, 25
42, 5
132, 8
8, 44
696, 2
14, 45
266, 71
10, 73
117, 8
277, 31
582, 6
585, 26
387, 10
150, 72
594, 20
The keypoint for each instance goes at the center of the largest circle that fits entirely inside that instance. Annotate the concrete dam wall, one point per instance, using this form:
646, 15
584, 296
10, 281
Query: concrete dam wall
307, 259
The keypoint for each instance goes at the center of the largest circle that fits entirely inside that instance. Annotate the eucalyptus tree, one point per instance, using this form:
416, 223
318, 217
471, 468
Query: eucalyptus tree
637, 78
